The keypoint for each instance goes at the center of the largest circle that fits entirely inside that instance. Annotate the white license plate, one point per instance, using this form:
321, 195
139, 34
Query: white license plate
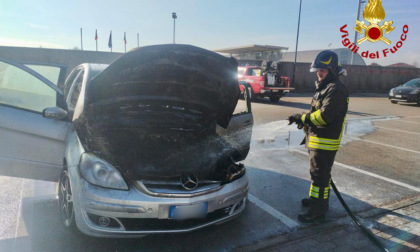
188, 211
275, 91
398, 96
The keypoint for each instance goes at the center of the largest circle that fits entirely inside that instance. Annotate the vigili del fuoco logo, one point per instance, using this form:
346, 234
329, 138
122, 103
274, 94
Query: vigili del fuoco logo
374, 13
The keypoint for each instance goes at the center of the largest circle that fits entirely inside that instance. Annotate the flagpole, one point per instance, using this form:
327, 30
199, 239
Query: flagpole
110, 40
138, 40
81, 39
96, 39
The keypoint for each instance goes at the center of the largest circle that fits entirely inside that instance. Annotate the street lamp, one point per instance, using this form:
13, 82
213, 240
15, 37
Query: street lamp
174, 17
296, 50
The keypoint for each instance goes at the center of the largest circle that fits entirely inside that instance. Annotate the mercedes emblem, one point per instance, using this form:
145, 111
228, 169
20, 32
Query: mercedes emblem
189, 182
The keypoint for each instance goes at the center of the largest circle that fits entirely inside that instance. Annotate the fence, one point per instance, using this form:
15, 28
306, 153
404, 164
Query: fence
374, 79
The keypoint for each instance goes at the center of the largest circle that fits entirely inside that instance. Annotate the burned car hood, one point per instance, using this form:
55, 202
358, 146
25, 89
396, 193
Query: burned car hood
153, 113
176, 74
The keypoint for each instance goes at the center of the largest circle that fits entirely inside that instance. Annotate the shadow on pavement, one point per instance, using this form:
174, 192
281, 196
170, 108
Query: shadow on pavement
404, 236
46, 232
360, 113
408, 104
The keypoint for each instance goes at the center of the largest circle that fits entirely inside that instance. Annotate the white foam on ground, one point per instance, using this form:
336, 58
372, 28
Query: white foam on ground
272, 135
279, 134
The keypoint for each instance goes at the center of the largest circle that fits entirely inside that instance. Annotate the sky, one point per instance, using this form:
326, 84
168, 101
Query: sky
208, 24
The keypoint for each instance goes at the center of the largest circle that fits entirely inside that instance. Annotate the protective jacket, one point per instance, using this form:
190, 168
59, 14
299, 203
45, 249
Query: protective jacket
325, 122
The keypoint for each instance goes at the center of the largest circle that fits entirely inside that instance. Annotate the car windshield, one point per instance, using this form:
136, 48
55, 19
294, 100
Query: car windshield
256, 72
412, 83
241, 71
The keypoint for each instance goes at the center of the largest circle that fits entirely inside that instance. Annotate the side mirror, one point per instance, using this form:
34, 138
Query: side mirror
54, 113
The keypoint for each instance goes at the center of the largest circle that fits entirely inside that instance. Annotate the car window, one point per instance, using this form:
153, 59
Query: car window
256, 72
52, 73
23, 90
75, 90
412, 83
249, 71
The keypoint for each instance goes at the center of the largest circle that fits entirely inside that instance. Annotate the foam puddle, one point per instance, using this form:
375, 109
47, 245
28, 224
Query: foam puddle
278, 134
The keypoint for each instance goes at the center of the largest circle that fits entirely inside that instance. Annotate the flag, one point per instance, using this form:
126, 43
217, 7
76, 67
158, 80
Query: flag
110, 40
125, 40
96, 34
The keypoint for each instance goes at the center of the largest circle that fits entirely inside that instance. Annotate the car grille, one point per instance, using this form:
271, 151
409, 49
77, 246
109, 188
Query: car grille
175, 187
174, 225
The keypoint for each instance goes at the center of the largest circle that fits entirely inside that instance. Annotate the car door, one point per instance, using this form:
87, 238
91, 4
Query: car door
31, 146
239, 131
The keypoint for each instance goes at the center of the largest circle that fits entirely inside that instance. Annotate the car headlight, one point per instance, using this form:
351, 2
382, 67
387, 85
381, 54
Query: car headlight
415, 91
98, 172
391, 92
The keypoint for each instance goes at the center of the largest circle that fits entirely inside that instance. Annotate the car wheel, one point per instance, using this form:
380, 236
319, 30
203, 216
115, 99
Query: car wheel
65, 200
394, 102
274, 98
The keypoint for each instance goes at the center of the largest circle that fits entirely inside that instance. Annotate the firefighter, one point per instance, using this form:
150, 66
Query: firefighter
323, 126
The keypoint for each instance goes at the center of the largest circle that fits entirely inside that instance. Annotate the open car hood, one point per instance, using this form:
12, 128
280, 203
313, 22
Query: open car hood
175, 74
153, 113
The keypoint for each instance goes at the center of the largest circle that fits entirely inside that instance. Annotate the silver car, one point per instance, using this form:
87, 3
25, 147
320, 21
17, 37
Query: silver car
149, 144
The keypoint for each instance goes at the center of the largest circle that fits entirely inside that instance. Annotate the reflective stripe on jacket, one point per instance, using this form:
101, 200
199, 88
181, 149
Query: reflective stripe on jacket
327, 117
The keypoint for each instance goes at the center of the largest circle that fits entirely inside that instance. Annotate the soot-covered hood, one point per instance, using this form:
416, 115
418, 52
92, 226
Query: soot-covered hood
153, 112
177, 74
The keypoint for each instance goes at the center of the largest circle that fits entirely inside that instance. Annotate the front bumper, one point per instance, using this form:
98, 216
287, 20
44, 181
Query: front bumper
135, 213
404, 98
275, 90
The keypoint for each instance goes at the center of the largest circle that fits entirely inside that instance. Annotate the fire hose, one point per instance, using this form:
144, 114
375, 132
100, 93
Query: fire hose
365, 230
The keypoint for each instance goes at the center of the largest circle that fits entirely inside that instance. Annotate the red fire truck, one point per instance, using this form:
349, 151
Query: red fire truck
264, 81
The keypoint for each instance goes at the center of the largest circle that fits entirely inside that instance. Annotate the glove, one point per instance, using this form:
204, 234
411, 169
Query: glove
296, 118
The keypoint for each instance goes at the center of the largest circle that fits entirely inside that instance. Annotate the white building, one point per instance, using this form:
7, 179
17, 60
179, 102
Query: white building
255, 54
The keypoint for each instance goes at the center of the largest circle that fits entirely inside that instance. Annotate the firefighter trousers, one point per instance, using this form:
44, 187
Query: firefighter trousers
321, 162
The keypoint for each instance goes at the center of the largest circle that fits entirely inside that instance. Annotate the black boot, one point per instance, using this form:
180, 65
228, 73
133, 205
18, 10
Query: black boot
306, 202
315, 213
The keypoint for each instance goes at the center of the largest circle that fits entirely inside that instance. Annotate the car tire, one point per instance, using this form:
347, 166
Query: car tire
274, 98
65, 200
394, 102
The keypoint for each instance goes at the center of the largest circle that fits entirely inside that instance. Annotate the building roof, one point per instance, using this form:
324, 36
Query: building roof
309, 56
251, 49
401, 65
